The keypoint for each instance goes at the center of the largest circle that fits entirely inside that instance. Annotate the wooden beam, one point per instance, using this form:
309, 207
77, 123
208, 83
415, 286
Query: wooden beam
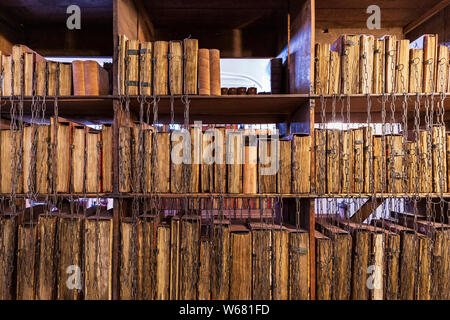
366, 209
427, 15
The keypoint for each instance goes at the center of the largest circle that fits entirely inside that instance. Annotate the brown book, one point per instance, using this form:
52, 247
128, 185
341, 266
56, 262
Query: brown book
46, 266
190, 47
379, 68
61, 157
26, 259
93, 173
235, 159
65, 79
361, 245
442, 69
41, 78
132, 68
43, 154
283, 241
207, 166
27, 156
424, 157
52, 78
189, 256
7, 85
220, 264
346, 162
79, 87
125, 159
106, 158
250, 167
298, 263
79, 175
204, 271
8, 225
10, 169
98, 258
175, 247
240, 263
448, 161
148, 142
162, 262
411, 167
348, 47
320, 149
214, 69
322, 68
146, 257
335, 71
204, 80
220, 166
70, 250
284, 173
439, 158
402, 67
146, 68
18, 58
175, 67
368, 158
128, 259
161, 67
324, 266
394, 160
332, 158
379, 164
178, 184
28, 72
429, 44
391, 58
121, 75
366, 63
261, 261
301, 149
415, 70
96, 79
161, 164
268, 164
358, 160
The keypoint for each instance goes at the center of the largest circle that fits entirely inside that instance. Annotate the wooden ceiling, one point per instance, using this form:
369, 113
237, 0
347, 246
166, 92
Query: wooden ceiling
352, 13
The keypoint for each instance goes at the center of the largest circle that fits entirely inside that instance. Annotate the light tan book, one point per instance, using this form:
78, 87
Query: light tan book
322, 68
121, 64
366, 64
93, 151
106, 160
214, 68
52, 78
28, 71
7, 76
96, 79
402, 67
41, 78
335, 71
78, 78
415, 70
65, 79
43, 154
442, 69
61, 158
146, 68
160, 50
204, 80
348, 47
132, 68
190, 47
391, 58
78, 159
429, 44
10, 169
379, 68
175, 67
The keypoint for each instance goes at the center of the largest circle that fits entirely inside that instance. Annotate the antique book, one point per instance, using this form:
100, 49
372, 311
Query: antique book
196, 158
250, 167
137, 157
346, 161
424, 255
93, 153
220, 166
121, 76
320, 155
335, 69
18, 57
178, 175
175, 67
205, 272
28, 72
415, 70
128, 258
284, 173
43, 154
79, 87
61, 136
366, 62
268, 164
146, 68
368, 159
96, 79
65, 79
442, 69
162, 261
98, 258
79, 174
235, 159
70, 251
425, 159
301, 160
322, 68
175, 247
28, 165
379, 164
342, 248
161, 68
261, 260
281, 246
298, 263
358, 160
348, 47
360, 263
390, 43
324, 266
125, 159
448, 161
204, 80
439, 158
52, 78
411, 167
10, 168
332, 157
161, 163
395, 165
220, 265
402, 67
146, 257
7, 85
106, 158
240, 262
190, 47
41, 78
377, 259
46, 266
214, 69
208, 161
132, 67
26, 260
148, 141
429, 44
8, 229
189, 256
379, 68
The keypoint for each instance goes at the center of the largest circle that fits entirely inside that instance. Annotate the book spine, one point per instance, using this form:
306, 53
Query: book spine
28, 71
220, 254
429, 62
439, 159
28, 171
162, 262
52, 78
280, 264
416, 70
395, 167
93, 168
284, 173
8, 227
335, 69
161, 68
301, 164
175, 67
146, 68
190, 47
411, 167
26, 259
204, 80
379, 69
425, 162
332, 158
358, 160
189, 258
240, 265
65, 79
368, 159
322, 68
250, 169
125, 159
162, 165
78, 163
220, 167
7, 76
207, 168
146, 258
366, 64
132, 67
261, 262
214, 68
235, 154
106, 158
391, 58
346, 163
267, 177
402, 67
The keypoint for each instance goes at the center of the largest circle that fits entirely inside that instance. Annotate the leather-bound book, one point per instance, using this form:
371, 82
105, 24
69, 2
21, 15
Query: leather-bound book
106, 158
78, 161
96, 79
28, 71
358, 160
78, 78
26, 257
43, 153
132, 68
235, 158
27, 169
416, 70
391, 58
366, 64
62, 170
394, 159
348, 47
65, 79
439, 163
18, 52
160, 50
442, 69
214, 69
7, 76
125, 159
189, 256
284, 173
93, 173
402, 67
146, 68
8, 225
190, 47
204, 81
121, 75
52, 78
429, 44
175, 67
322, 67
250, 168
379, 56
41, 78
10, 169
301, 170
241, 262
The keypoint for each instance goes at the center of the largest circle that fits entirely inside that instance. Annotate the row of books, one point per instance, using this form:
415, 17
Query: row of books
363, 64
167, 67
28, 73
357, 161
